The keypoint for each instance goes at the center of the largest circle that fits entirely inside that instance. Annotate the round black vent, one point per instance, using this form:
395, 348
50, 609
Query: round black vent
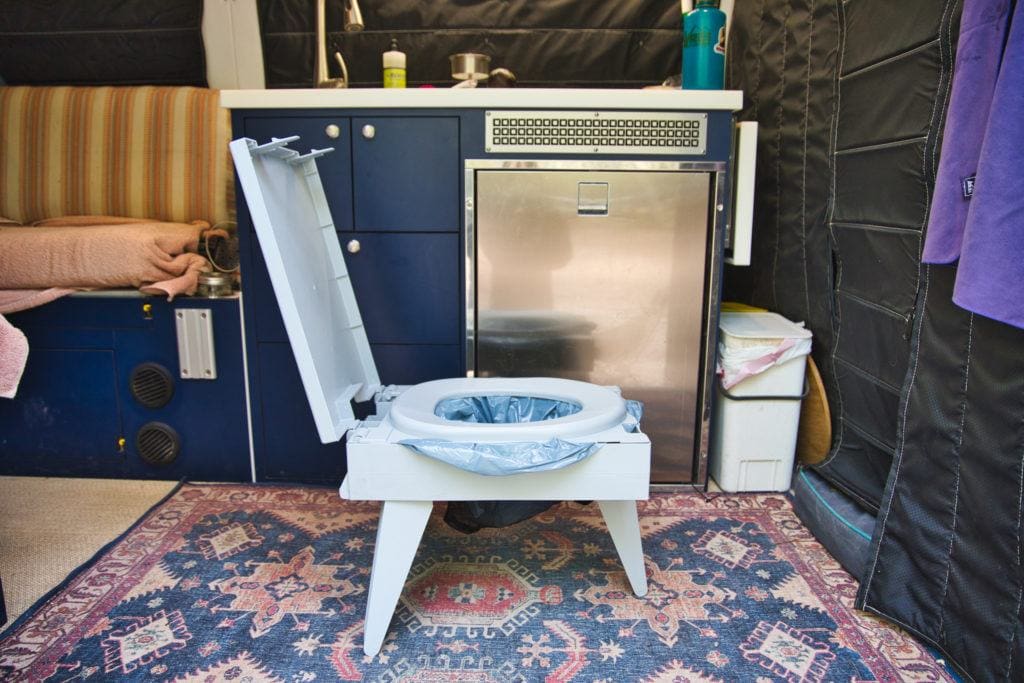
151, 385
158, 444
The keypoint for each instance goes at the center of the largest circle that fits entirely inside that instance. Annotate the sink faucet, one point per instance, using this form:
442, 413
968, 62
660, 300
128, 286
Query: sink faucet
353, 22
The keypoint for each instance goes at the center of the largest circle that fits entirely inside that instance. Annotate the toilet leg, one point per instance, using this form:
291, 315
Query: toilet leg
624, 526
398, 535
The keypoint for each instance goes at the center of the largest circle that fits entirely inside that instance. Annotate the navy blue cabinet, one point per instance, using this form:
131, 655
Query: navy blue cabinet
406, 173
407, 286
319, 133
207, 416
76, 413
286, 444
65, 419
404, 256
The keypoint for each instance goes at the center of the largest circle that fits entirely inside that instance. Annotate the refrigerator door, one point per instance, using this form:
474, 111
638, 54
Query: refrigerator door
598, 276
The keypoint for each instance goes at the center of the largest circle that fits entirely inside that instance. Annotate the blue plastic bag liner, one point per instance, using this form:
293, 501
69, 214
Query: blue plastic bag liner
504, 409
499, 459
635, 409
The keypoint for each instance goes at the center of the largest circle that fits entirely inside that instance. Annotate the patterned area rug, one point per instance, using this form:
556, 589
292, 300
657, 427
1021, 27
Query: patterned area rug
260, 583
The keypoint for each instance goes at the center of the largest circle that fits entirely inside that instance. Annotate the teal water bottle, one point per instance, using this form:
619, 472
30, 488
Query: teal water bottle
704, 47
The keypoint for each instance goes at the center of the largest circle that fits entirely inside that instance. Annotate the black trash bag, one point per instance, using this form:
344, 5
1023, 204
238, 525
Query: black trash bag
470, 517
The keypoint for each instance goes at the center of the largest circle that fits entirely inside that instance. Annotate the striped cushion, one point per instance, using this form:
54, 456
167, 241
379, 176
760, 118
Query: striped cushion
146, 152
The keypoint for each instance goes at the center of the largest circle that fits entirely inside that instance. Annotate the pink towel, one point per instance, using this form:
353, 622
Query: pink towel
13, 355
90, 252
14, 300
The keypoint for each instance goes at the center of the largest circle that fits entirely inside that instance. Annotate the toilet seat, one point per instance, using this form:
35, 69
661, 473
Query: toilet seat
412, 412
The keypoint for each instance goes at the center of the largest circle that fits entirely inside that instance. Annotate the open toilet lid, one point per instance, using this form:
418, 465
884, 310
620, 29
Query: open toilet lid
296, 233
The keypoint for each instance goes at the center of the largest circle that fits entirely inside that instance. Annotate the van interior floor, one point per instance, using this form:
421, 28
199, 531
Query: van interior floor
49, 526
738, 583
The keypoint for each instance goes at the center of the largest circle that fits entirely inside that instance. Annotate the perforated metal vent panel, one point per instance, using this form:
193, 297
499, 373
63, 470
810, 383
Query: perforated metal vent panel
157, 443
596, 132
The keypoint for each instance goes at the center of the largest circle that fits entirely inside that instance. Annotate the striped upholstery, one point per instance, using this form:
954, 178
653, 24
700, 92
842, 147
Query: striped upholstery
145, 152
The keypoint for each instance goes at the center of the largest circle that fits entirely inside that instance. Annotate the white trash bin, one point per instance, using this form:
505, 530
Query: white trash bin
754, 426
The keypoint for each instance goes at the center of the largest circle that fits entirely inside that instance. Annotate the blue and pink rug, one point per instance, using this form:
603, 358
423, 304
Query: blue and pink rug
260, 583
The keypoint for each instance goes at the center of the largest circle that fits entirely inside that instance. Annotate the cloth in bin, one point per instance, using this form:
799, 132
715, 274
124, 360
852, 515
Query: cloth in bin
745, 351
498, 459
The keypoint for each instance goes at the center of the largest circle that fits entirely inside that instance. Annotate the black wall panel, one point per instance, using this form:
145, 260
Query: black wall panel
881, 185
546, 43
862, 120
849, 97
884, 174
84, 42
882, 30
783, 55
868, 252
946, 560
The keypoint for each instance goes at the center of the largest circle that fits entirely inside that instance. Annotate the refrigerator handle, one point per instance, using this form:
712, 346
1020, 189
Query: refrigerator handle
743, 197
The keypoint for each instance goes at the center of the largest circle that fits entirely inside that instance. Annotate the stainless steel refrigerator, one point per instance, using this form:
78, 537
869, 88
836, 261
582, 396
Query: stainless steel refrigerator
600, 273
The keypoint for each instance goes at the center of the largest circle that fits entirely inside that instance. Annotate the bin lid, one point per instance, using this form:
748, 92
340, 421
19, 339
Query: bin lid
760, 325
318, 305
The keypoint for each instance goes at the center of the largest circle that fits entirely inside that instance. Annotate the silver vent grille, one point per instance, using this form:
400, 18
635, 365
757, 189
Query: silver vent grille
595, 132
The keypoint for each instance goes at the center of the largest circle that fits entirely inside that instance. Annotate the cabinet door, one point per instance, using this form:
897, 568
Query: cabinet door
286, 441
335, 168
407, 286
262, 308
406, 173
290, 449
409, 364
64, 420
208, 415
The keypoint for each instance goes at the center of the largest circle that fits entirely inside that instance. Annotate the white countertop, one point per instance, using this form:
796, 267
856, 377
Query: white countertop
483, 98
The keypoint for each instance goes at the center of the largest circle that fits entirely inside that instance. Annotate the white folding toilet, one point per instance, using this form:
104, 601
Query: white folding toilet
289, 211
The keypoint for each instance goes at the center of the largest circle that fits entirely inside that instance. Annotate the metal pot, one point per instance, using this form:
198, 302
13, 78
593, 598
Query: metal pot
470, 65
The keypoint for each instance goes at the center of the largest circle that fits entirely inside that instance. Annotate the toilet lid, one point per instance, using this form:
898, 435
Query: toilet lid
296, 233
413, 411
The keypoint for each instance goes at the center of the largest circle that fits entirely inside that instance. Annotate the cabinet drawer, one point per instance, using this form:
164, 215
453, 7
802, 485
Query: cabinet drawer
406, 173
335, 168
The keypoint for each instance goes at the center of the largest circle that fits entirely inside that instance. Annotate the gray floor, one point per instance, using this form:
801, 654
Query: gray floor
50, 526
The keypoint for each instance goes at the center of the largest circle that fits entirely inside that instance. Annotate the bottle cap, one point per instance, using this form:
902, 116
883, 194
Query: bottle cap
393, 58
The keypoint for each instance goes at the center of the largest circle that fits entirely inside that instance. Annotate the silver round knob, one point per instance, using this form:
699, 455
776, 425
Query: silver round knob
332, 130
353, 246
369, 132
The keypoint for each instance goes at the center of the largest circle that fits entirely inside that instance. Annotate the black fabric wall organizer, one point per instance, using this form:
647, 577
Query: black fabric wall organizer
947, 554
928, 399
850, 100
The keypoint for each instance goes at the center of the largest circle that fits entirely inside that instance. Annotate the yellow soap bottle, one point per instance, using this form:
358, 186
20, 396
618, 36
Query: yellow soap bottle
394, 67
